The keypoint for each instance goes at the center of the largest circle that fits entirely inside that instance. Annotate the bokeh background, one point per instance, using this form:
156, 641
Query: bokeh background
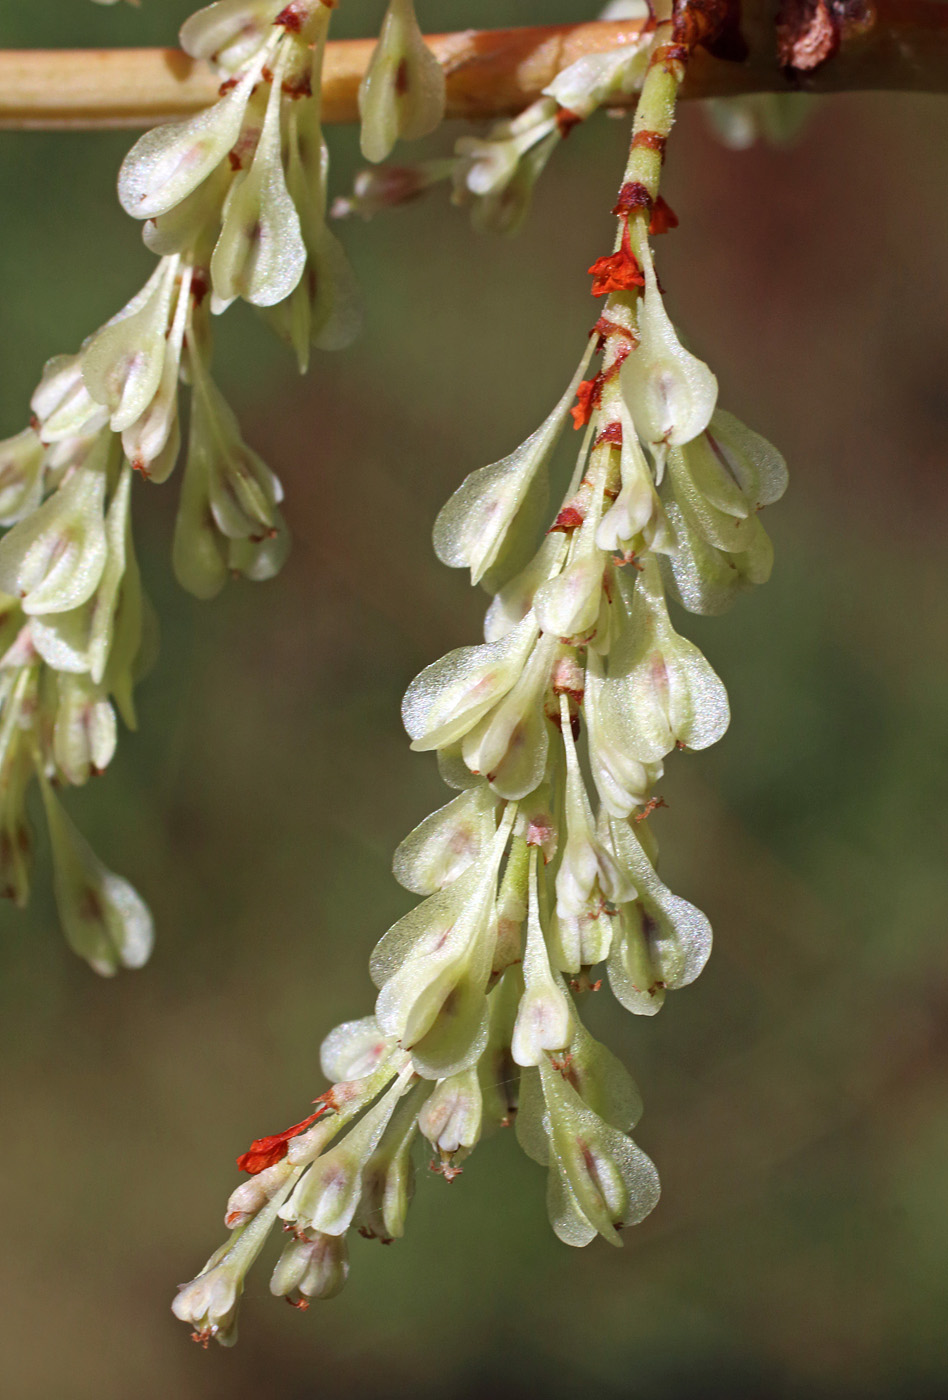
797, 1095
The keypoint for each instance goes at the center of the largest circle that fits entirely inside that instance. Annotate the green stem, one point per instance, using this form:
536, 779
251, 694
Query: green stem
655, 113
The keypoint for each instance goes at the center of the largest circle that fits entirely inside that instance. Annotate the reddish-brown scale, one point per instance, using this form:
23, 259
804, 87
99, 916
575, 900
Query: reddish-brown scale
302, 87
267, 74
200, 285
401, 78
663, 217
301, 1304
202, 1338
565, 121
577, 693
633, 195
331, 1098
612, 432
568, 519
619, 272
226, 86
34, 423
622, 353
555, 717
291, 17
651, 140
605, 328
671, 54
235, 162
714, 24
651, 806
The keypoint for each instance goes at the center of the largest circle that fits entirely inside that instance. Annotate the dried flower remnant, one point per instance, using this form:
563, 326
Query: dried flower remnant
538, 884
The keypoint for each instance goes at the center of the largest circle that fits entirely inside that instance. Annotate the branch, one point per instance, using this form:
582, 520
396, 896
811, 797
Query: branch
891, 44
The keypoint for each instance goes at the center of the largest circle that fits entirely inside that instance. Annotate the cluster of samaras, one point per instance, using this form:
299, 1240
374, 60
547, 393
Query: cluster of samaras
538, 878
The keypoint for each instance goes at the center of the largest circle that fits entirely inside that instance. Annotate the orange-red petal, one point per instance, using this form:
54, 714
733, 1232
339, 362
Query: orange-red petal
619, 272
663, 217
588, 397
267, 1151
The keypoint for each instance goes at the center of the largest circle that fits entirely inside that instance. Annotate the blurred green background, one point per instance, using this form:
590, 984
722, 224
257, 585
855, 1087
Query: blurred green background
797, 1096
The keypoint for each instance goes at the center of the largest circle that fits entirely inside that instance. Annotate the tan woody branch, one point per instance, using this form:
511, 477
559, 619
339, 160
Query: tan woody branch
892, 44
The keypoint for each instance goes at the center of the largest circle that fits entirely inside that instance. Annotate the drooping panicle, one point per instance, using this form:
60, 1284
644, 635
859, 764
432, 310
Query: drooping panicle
538, 879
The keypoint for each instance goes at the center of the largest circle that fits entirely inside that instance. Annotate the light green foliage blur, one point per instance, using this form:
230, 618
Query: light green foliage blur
795, 1095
